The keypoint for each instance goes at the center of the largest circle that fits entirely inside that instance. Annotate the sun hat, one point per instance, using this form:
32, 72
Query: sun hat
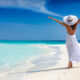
70, 19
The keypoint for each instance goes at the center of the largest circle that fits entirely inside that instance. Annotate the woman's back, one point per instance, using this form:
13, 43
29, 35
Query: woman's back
72, 28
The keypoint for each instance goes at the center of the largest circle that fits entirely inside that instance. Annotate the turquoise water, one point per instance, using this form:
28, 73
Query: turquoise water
32, 42
13, 52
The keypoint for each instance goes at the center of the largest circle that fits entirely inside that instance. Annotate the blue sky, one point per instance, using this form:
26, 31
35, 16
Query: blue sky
28, 19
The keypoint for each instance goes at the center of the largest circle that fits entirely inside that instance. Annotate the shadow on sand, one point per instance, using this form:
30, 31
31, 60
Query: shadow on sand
47, 70
35, 71
50, 69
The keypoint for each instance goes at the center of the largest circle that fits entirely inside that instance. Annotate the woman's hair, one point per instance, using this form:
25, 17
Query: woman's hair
73, 26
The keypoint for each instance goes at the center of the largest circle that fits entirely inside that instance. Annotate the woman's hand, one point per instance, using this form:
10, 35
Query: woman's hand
58, 21
49, 17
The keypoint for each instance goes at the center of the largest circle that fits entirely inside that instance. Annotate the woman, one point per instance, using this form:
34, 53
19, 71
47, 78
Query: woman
73, 48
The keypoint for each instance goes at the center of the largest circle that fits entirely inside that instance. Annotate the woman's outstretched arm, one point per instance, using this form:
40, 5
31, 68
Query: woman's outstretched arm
57, 21
74, 30
77, 24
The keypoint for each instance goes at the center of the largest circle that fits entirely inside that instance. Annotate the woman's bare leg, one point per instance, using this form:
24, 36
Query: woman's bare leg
70, 64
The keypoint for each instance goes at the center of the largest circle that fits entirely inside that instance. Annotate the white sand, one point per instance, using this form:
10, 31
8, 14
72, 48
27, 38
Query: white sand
57, 72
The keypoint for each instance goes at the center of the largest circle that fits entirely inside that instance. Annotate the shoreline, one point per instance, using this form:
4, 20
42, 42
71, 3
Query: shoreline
22, 67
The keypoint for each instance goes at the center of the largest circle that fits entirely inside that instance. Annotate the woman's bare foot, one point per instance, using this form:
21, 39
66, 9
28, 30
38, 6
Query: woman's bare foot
69, 64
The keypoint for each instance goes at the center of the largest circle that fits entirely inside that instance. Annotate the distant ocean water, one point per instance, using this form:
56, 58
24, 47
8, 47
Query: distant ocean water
33, 41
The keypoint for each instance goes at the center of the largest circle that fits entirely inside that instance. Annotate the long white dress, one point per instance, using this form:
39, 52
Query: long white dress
73, 48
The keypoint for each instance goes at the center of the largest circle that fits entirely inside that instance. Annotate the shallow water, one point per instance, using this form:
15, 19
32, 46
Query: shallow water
18, 52
11, 54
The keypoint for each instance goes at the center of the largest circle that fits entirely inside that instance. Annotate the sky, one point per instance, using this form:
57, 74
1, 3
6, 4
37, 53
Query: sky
28, 19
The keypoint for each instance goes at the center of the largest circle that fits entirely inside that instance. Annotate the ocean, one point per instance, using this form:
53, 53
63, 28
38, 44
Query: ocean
20, 56
33, 41
15, 52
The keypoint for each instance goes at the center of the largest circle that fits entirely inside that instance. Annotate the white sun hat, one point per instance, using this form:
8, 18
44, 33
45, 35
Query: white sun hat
70, 19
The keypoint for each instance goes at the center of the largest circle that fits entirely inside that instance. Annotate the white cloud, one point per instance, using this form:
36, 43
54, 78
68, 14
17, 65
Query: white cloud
35, 5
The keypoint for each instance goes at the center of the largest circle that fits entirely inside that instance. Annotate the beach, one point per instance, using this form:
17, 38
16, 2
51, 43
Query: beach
38, 38
42, 68
58, 72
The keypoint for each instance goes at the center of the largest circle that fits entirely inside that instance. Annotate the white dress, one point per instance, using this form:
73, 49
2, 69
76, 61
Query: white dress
73, 48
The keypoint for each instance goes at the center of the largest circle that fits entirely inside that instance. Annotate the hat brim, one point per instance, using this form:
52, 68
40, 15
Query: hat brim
74, 21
